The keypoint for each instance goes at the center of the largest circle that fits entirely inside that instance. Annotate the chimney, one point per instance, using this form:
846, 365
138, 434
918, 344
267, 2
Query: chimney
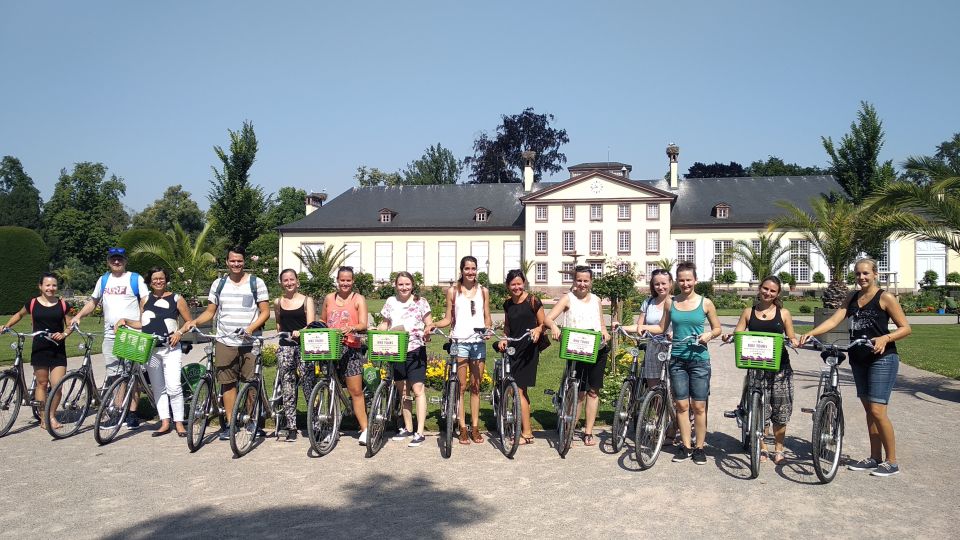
673, 151
625, 172
315, 200
528, 157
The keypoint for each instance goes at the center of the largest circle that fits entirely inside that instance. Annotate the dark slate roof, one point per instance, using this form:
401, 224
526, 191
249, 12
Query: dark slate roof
600, 165
447, 207
752, 201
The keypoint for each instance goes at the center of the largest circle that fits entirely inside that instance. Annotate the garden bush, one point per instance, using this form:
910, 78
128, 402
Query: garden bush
363, 283
929, 279
141, 264
953, 277
819, 278
805, 309
703, 288
27, 257
728, 300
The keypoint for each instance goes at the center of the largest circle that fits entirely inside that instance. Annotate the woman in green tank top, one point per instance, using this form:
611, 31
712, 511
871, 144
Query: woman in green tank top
689, 359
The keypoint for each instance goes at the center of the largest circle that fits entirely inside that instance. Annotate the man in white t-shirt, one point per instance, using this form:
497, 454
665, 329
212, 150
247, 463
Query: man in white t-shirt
120, 293
238, 304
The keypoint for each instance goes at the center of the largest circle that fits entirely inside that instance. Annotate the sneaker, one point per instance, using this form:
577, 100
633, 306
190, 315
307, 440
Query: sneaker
683, 454
699, 456
402, 434
224, 435
291, 435
133, 422
736, 413
363, 438
868, 464
886, 469
417, 440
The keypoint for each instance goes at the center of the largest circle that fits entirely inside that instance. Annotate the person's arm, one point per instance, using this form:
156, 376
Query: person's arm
14, 319
537, 331
659, 328
362, 314
311, 308
487, 319
830, 323
555, 312
324, 314
87, 309
201, 319
264, 307
742, 324
895, 311
184, 311
603, 327
715, 328
276, 315
788, 327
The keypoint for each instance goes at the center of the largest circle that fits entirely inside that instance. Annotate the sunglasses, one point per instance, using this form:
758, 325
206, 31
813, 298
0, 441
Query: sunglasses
117, 251
659, 272
473, 308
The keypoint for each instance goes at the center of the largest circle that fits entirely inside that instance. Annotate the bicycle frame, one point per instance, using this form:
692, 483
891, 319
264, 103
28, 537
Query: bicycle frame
27, 394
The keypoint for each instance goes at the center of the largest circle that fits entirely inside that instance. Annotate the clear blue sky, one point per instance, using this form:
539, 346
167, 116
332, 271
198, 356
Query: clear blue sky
148, 88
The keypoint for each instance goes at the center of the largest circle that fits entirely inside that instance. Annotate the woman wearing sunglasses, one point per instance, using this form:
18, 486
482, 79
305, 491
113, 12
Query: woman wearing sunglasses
468, 307
651, 311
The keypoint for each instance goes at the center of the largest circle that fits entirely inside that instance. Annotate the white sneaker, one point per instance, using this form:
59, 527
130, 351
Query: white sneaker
363, 438
402, 435
417, 440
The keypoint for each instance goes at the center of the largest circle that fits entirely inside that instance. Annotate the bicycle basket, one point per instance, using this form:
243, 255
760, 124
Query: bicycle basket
758, 350
580, 345
133, 345
386, 346
320, 344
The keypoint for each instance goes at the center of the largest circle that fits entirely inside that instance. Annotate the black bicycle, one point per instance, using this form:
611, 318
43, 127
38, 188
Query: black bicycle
449, 398
384, 407
13, 385
207, 400
505, 398
828, 424
78, 392
120, 394
252, 409
566, 404
326, 407
631, 393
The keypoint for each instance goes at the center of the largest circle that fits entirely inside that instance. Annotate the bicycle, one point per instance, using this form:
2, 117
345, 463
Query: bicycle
449, 398
326, 407
203, 406
78, 391
505, 398
384, 406
13, 385
631, 393
252, 408
657, 411
828, 423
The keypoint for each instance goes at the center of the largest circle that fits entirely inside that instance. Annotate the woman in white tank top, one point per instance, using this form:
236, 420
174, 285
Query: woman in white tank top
582, 310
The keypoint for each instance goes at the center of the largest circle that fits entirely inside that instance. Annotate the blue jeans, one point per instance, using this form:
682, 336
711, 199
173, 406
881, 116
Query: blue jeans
875, 379
690, 378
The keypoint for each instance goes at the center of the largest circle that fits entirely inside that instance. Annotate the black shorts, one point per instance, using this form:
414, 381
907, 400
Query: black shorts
593, 373
47, 361
414, 370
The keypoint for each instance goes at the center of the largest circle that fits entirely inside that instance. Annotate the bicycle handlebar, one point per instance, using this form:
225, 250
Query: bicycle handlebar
837, 345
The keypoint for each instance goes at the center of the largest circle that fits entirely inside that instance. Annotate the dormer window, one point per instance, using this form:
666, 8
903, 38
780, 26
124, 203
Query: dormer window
721, 211
386, 215
481, 214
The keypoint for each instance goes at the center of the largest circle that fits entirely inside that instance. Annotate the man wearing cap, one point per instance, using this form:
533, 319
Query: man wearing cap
120, 293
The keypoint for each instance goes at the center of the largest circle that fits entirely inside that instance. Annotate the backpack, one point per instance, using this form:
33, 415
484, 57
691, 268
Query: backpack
33, 302
253, 288
134, 283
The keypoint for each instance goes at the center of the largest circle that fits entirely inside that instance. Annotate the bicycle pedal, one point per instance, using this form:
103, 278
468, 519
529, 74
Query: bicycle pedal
436, 400
807, 410
549, 392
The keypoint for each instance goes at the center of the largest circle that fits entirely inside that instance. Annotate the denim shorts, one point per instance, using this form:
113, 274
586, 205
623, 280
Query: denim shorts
474, 350
690, 378
875, 379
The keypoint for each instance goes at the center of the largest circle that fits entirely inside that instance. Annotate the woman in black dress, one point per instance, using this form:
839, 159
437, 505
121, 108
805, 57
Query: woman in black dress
522, 312
47, 358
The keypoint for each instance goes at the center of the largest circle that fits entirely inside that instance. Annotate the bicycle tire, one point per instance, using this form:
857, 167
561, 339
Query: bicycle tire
323, 417
110, 414
622, 414
510, 419
745, 421
245, 420
76, 396
828, 427
755, 419
36, 408
10, 397
450, 417
651, 427
199, 416
567, 420
377, 419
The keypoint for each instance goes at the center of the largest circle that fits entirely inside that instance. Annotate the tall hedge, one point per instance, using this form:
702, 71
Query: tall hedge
23, 257
142, 263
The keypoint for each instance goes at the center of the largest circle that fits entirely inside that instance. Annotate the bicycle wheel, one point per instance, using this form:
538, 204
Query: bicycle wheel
755, 421
568, 418
451, 392
651, 427
744, 421
510, 419
112, 411
245, 422
10, 397
323, 417
827, 437
75, 399
377, 418
622, 414
199, 416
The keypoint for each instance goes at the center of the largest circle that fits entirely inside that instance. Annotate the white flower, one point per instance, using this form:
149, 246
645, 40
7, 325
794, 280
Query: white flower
181, 269
254, 258
189, 281
266, 270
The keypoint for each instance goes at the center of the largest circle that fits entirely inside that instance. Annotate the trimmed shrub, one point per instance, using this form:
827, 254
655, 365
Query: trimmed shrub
703, 288
930, 278
363, 283
727, 277
819, 278
804, 308
26, 257
953, 277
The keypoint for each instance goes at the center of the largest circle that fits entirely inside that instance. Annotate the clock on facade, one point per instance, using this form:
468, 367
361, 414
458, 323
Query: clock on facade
596, 186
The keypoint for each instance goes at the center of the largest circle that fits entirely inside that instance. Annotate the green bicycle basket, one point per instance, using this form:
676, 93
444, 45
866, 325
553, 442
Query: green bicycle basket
320, 344
758, 350
580, 345
387, 346
133, 345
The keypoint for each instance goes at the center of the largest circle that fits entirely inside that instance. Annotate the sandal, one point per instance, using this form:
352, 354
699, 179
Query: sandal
588, 440
526, 440
464, 436
476, 435
763, 456
778, 458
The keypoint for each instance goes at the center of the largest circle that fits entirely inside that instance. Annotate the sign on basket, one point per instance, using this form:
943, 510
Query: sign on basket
583, 344
385, 344
316, 343
757, 348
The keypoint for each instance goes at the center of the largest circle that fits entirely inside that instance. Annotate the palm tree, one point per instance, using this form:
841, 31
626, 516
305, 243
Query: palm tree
928, 212
764, 259
665, 264
191, 264
321, 265
839, 231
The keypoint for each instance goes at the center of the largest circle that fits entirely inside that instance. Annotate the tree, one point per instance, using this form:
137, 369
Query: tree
191, 264
665, 263
84, 216
26, 258
945, 162
286, 207
839, 231
716, 170
19, 198
437, 166
320, 267
616, 284
765, 258
500, 159
929, 212
855, 163
775, 166
174, 206
236, 206
375, 177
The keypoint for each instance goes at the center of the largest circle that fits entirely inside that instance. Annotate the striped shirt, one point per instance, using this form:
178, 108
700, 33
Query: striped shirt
236, 308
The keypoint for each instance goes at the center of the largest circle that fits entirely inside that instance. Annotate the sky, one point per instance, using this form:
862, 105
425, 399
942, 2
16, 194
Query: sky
149, 88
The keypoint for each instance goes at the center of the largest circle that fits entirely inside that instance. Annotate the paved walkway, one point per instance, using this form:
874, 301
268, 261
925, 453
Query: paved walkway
140, 487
